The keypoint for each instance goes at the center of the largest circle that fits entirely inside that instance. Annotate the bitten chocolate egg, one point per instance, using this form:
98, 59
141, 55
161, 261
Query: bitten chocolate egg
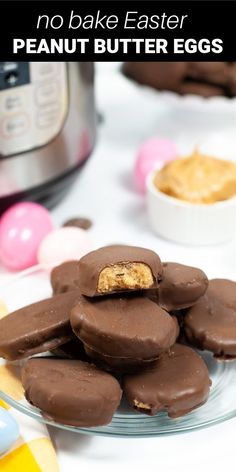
178, 382
119, 268
211, 323
71, 392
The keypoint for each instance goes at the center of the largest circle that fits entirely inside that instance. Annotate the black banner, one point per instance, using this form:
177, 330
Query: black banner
117, 31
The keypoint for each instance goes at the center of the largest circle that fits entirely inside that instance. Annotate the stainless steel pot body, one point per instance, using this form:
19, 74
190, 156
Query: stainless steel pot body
47, 125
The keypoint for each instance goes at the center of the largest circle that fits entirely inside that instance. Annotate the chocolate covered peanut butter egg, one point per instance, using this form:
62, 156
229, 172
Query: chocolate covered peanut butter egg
177, 382
211, 323
71, 392
119, 268
131, 327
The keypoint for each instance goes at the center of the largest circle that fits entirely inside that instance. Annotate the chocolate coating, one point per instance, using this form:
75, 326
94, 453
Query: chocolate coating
131, 327
211, 323
117, 364
71, 392
207, 79
181, 286
178, 382
83, 223
92, 264
65, 277
73, 349
38, 327
122, 365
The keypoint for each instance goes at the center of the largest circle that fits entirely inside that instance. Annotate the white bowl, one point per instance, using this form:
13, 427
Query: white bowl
189, 223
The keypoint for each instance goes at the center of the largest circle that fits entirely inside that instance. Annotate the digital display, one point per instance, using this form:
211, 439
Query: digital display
14, 74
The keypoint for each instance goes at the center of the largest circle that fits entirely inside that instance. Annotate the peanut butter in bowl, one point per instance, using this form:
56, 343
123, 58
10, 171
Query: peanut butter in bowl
198, 179
192, 200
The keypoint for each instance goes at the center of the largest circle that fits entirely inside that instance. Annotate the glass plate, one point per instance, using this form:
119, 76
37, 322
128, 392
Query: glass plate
33, 285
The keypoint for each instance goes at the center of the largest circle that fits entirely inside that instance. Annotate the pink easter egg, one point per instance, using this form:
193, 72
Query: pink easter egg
64, 244
152, 154
22, 228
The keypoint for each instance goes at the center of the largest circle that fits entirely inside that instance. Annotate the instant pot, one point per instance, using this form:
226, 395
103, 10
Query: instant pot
47, 128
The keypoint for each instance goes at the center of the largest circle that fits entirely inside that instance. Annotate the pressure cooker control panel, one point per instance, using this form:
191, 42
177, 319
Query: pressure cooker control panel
33, 104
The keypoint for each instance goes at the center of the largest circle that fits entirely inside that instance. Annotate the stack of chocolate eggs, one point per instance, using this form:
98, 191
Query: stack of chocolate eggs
112, 325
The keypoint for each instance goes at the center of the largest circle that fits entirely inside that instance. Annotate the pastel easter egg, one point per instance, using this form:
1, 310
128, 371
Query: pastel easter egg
64, 244
22, 228
152, 154
9, 430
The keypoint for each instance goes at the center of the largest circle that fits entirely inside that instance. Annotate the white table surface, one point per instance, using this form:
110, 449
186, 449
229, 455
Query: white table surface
104, 192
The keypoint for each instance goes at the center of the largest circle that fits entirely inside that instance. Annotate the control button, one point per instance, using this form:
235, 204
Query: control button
48, 118
47, 93
14, 74
12, 102
11, 79
47, 68
15, 125
44, 70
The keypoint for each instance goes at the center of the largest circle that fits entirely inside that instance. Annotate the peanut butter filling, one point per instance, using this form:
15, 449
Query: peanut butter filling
125, 276
141, 406
198, 178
